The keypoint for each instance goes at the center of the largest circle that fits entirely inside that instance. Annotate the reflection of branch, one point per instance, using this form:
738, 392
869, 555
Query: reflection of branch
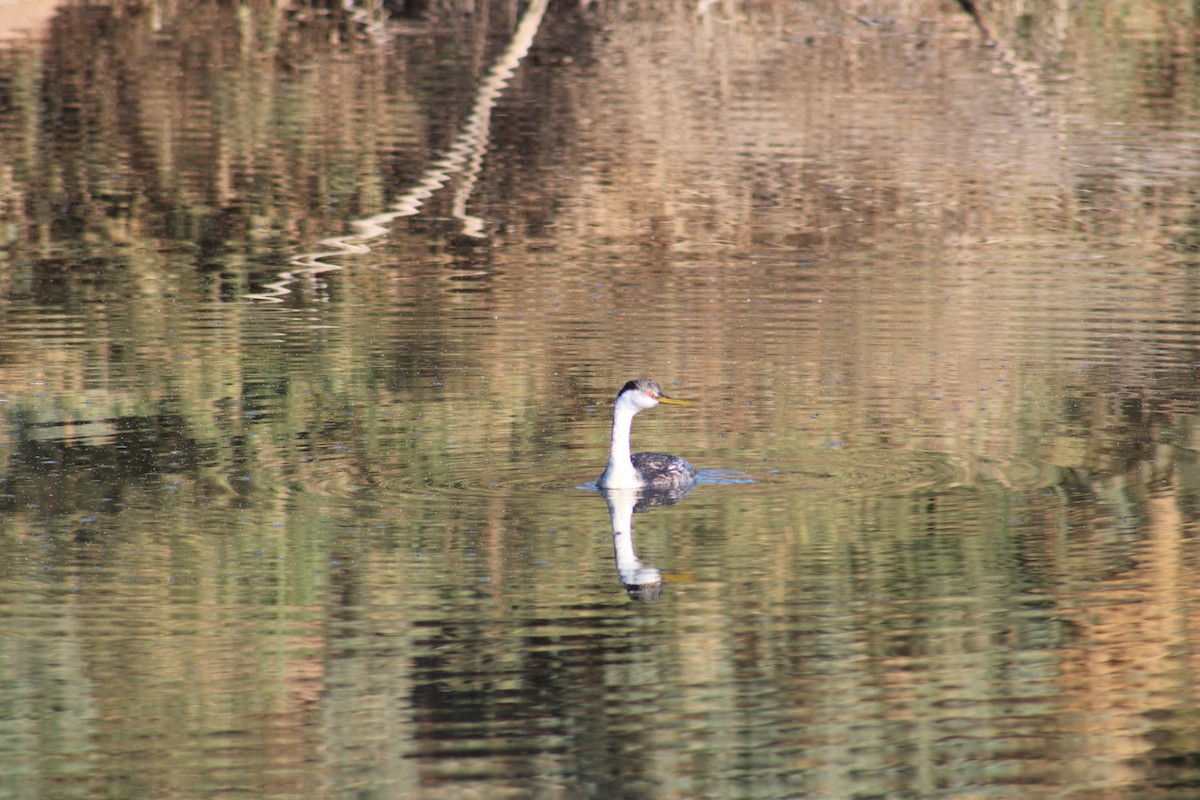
371, 19
1024, 72
973, 12
465, 157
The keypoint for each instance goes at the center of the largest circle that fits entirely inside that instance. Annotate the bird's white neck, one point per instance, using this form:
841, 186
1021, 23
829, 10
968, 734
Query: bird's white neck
620, 473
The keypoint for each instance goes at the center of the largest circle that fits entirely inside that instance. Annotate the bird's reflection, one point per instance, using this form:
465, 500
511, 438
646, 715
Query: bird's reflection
643, 582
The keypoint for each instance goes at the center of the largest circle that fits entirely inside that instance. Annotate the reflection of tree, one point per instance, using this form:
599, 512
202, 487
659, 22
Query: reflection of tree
570, 678
460, 163
165, 156
261, 125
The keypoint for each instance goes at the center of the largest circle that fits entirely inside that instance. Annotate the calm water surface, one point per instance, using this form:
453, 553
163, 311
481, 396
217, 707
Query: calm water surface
310, 325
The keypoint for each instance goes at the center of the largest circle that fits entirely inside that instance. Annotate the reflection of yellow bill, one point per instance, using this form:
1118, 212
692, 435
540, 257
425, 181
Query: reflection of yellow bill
678, 577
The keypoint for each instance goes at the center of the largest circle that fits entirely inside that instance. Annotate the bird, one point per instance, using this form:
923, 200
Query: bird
641, 470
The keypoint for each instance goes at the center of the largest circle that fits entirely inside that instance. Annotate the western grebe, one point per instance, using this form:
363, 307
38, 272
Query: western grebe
641, 470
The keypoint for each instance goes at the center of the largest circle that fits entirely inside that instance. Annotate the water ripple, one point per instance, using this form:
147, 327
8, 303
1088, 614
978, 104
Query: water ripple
882, 472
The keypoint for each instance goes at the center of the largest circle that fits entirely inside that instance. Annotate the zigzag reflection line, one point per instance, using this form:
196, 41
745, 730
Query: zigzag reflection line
464, 156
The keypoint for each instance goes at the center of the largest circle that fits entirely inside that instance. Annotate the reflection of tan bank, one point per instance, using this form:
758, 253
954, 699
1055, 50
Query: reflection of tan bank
21, 18
1128, 659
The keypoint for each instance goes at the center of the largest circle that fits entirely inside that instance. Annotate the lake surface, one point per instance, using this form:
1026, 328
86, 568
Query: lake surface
310, 328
